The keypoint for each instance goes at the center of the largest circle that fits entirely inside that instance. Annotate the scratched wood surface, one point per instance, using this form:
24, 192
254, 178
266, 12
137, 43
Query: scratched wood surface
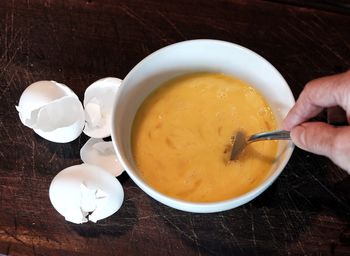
305, 212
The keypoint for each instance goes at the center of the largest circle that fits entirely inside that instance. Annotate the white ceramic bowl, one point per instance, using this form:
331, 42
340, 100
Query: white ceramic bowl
187, 57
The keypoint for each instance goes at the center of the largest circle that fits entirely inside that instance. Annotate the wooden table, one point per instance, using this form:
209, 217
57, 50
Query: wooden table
305, 212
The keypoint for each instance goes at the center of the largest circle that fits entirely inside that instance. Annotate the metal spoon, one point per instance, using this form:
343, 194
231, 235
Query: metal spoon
240, 141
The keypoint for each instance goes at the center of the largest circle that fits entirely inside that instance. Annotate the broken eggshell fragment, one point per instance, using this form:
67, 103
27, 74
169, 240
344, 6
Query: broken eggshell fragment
98, 103
85, 192
101, 153
52, 110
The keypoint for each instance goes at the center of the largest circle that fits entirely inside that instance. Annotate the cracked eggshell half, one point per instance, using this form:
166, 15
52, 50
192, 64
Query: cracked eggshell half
52, 110
85, 192
98, 104
101, 153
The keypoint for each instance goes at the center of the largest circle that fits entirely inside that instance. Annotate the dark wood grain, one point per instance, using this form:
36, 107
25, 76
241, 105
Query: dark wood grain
305, 212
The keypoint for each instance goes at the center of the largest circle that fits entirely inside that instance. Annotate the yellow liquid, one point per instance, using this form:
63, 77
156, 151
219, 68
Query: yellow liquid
181, 138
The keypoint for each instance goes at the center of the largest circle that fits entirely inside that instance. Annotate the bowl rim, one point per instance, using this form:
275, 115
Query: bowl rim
188, 206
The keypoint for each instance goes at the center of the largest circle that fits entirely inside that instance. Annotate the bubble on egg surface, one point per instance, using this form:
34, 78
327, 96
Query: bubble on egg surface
101, 153
98, 104
83, 193
52, 110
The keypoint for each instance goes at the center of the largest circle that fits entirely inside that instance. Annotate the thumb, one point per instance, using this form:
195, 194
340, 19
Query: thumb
324, 139
315, 137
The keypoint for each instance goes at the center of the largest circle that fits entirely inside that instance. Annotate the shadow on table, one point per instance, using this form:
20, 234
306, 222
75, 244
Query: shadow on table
277, 221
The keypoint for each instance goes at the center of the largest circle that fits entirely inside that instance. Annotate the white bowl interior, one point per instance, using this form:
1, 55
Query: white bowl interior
198, 56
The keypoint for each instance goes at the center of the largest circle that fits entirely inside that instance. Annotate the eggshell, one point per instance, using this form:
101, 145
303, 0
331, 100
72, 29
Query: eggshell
98, 103
52, 110
101, 153
85, 192
39, 94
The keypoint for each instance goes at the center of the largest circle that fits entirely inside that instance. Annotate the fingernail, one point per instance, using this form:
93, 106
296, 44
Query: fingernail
285, 125
298, 136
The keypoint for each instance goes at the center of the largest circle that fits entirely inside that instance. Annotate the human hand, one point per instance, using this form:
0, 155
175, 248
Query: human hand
318, 137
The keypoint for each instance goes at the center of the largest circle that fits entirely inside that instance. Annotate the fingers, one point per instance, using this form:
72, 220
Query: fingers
323, 139
314, 137
333, 93
318, 94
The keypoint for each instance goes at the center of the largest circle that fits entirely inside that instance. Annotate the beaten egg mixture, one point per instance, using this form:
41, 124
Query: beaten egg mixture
181, 137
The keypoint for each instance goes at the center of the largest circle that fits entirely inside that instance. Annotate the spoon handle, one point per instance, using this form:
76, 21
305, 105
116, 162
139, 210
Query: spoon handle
275, 135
